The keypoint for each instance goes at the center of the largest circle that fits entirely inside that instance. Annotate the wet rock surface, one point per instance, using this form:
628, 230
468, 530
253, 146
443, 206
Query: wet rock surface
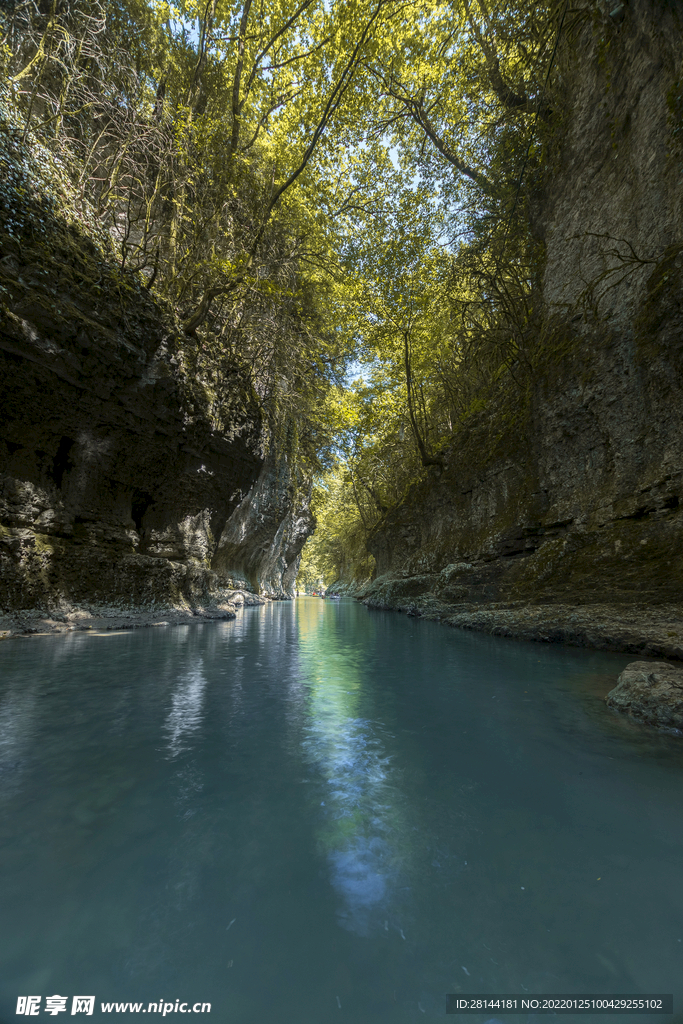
651, 692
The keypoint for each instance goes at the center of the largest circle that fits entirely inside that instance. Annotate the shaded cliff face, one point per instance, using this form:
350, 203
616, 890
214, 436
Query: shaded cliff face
578, 501
569, 489
260, 547
122, 459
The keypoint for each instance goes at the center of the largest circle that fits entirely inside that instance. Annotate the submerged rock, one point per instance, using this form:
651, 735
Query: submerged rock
651, 691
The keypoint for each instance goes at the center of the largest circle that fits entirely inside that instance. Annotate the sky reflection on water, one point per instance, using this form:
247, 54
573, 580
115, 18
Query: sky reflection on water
359, 828
185, 716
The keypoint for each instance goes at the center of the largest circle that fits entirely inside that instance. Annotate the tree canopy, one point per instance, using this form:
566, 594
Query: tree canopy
331, 196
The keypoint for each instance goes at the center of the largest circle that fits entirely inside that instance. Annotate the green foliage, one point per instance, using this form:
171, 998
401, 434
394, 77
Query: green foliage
336, 554
447, 272
309, 186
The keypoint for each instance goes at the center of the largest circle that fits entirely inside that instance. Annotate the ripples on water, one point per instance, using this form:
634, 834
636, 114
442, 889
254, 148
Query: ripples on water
319, 813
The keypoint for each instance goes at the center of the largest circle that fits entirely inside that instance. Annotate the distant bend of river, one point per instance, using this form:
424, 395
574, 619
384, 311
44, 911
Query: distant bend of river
322, 813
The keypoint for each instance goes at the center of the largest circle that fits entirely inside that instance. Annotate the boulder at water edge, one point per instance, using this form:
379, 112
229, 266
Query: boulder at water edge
651, 691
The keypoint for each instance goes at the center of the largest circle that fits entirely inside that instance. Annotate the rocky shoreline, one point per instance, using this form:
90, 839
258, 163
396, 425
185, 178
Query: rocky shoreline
108, 618
649, 691
651, 631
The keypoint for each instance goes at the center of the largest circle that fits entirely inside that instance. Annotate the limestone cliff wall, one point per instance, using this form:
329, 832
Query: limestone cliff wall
122, 458
261, 544
569, 490
614, 192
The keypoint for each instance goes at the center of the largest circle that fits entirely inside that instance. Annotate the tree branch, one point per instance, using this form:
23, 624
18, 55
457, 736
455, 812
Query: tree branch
505, 93
237, 80
416, 109
271, 42
334, 100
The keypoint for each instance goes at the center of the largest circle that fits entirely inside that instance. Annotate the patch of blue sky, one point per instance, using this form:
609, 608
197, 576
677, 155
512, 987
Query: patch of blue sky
358, 371
185, 28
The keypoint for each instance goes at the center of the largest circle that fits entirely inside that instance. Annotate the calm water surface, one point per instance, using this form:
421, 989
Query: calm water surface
319, 813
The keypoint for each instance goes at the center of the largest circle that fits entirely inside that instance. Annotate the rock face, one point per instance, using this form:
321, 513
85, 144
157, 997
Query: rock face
110, 492
121, 461
652, 692
613, 211
569, 494
260, 547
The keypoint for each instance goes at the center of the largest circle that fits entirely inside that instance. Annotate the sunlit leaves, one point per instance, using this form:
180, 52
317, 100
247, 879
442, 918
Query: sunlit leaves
405, 132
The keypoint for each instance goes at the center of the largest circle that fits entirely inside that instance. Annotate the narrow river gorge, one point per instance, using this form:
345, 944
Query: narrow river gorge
380, 303
320, 812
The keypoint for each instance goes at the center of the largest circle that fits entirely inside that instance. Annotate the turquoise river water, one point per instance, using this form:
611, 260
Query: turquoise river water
322, 813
